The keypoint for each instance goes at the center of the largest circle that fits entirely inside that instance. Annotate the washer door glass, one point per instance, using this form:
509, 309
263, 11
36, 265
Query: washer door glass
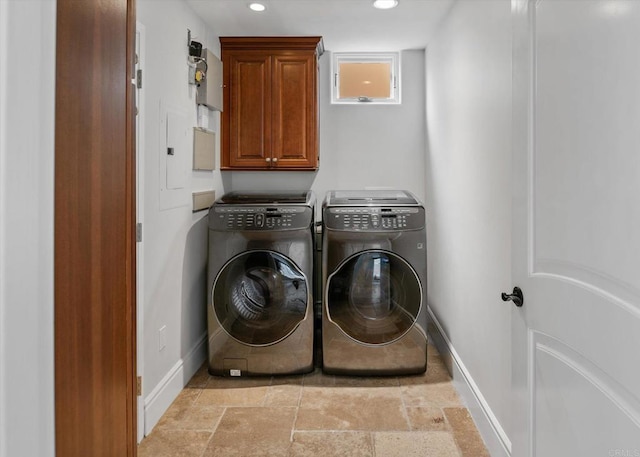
259, 297
374, 297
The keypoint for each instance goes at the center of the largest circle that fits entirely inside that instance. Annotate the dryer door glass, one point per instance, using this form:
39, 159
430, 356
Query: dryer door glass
260, 297
374, 297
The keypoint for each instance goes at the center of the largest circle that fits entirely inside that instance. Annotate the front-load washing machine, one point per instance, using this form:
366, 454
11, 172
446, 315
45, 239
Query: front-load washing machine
260, 283
374, 316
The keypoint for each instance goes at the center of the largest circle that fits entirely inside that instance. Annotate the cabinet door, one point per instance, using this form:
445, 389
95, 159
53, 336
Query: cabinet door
295, 110
249, 110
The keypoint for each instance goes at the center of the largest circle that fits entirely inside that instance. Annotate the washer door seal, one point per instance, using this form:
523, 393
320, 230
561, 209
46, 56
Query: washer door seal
374, 297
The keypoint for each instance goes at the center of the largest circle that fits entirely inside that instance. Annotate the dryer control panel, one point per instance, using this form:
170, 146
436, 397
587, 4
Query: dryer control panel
394, 218
260, 217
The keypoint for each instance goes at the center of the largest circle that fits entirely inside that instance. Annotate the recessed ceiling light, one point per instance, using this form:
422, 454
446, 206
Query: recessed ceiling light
257, 6
385, 4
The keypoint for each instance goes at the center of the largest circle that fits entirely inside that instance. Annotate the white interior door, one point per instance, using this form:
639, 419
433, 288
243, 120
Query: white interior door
576, 228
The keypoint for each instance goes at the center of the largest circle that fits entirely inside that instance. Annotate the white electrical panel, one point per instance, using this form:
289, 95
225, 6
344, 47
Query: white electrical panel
176, 152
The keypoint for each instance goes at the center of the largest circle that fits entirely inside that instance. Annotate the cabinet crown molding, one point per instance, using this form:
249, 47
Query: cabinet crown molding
306, 43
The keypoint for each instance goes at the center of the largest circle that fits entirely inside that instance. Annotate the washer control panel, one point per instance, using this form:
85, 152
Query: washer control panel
260, 217
394, 218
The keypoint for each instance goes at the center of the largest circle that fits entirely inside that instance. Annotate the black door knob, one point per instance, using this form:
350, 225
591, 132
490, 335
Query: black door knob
516, 297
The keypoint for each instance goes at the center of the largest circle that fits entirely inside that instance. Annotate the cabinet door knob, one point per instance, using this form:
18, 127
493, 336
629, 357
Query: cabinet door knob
268, 159
275, 159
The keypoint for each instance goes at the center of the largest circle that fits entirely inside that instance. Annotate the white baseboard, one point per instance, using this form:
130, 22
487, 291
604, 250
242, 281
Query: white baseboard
163, 394
497, 442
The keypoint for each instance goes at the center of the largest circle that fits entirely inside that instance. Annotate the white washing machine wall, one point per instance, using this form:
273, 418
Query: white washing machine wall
374, 280
260, 311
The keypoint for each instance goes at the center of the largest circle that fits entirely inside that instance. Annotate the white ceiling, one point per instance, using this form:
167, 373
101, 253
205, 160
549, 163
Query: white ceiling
345, 25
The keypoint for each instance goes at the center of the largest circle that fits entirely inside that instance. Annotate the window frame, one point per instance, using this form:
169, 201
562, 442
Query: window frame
366, 57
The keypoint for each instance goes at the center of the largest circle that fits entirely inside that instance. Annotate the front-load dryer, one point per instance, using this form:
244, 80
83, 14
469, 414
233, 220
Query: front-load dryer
260, 283
374, 316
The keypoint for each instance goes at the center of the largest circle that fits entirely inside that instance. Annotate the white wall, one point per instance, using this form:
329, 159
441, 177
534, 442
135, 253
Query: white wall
360, 145
174, 239
26, 227
469, 192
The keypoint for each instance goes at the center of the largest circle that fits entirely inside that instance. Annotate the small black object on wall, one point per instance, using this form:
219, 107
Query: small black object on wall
195, 49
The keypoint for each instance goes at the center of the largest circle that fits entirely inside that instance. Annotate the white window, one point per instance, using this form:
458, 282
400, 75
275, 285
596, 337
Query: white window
365, 77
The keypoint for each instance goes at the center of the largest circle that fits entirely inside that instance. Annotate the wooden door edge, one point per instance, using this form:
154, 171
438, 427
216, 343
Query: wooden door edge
132, 390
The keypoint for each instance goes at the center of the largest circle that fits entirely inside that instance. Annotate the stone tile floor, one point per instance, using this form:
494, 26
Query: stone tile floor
318, 415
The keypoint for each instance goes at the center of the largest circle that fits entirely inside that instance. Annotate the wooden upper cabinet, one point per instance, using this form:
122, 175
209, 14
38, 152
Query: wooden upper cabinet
270, 117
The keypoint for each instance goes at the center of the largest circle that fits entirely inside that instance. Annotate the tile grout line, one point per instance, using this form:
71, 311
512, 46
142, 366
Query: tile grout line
214, 431
404, 407
198, 396
293, 426
295, 418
